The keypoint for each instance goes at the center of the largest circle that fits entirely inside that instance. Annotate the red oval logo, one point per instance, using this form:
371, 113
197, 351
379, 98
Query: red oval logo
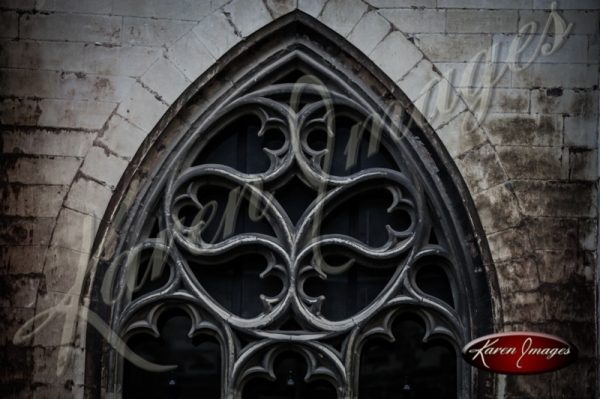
519, 353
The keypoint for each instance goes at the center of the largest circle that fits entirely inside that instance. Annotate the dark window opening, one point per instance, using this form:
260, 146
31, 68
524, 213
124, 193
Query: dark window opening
198, 361
290, 382
408, 367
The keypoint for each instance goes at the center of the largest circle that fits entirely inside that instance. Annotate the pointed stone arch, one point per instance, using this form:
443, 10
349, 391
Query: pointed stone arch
378, 79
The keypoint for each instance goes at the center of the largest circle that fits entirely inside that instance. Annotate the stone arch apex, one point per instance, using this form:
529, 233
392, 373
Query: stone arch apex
129, 129
189, 60
181, 117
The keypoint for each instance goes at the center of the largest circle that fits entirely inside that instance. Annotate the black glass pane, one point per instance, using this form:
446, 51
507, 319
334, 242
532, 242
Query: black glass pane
432, 280
199, 363
239, 146
348, 291
232, 211
236, 284
290, 372
365, 216
408, 367
151, 270
295, 197
356, 146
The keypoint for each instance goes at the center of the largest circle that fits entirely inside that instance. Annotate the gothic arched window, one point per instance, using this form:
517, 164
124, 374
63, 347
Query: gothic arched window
300, 237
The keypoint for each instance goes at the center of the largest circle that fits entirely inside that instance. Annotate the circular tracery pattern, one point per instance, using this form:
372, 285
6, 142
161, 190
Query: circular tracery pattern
291, 222
213, 209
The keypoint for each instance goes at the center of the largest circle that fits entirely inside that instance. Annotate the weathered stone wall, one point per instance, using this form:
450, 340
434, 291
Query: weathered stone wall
83, 83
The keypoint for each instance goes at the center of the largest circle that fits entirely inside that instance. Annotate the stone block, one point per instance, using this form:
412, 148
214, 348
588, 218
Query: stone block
88, 197
153, 32
518, 274
121, 137
342, 15
522, 162
13, 319
248, 15
166, 80
510, 244
481, 21
584, 22
217, 34
442, 105
587, 234
22, 258
56, 391
143, 108
420, 80
568, 5
190, 56
583, 164
125, 61
509, 101
63, 85
73, 114
553, 233
218, 4
556, 75
396, 55
402, 3
71, 27
78, 6
279, 8
18, 4
19, 290
65, 270
556, 199
569, 102
461, 134
74, 230
42, 170
311, 7
523, 306
77, 57
476, 75
569, 301
521, 129
45, 142
25, 231
497, 208
489, 4
418, 20
527, 386
103, 167
594, 49
18, 363
9, 20
585, 369
585, 269
31, 200
480, 168
173, 9
47, 360
557, 266
452, 47
16, 111
574, 50
580, 131
369, 31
